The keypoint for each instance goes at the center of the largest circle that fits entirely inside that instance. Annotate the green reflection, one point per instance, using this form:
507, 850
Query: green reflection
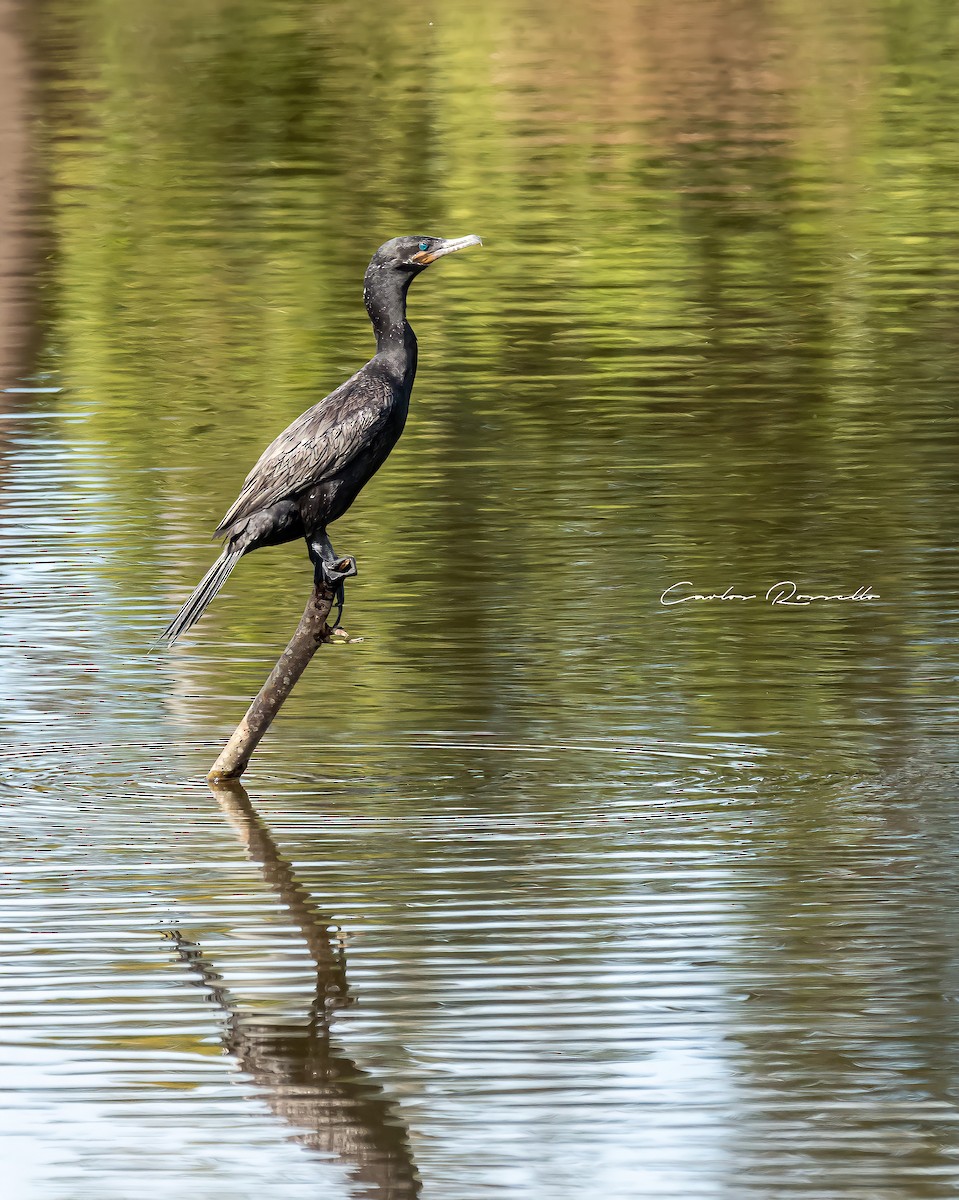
713, 338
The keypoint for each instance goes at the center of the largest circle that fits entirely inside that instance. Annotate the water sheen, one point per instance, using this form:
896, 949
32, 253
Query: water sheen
544, 888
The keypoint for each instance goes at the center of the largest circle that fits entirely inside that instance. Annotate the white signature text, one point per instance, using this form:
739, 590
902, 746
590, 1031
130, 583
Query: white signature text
786, 592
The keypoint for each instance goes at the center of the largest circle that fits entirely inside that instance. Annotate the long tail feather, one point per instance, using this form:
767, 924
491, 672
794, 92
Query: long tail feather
203, 593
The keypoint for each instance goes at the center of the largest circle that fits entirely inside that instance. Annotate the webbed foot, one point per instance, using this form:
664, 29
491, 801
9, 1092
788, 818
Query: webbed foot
333, 572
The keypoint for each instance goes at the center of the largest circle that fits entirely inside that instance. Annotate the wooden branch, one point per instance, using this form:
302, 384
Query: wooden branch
310, 634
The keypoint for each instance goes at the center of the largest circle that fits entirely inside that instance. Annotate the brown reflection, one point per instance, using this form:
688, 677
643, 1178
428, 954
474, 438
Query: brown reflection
718, 71
14, 244
305, 1079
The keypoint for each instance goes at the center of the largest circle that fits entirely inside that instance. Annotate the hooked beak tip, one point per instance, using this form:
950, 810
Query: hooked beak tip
455, 244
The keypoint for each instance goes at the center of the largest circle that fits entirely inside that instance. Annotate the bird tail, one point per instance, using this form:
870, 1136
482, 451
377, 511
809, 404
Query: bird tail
203, 593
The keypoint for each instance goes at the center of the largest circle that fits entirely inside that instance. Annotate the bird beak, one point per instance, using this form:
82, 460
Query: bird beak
447, 247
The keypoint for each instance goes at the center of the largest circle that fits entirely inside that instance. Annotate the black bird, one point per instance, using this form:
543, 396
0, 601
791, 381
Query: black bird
311, 474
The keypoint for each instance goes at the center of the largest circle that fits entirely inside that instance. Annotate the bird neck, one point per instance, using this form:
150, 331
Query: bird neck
384, 292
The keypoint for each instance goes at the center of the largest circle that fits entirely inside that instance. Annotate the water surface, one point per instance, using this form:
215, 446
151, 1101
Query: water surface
544, 887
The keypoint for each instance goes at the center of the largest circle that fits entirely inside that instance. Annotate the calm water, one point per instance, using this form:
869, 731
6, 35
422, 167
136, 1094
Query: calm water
544, 888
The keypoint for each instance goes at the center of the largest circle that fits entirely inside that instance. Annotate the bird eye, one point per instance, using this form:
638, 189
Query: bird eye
424, 245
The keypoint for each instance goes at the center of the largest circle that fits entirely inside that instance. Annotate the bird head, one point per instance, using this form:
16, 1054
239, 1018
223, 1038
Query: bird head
414, 254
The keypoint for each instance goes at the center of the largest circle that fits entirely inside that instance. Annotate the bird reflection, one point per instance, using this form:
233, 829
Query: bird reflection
337, 1107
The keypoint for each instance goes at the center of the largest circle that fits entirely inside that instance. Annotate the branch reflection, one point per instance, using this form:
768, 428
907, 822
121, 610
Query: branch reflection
305, 1079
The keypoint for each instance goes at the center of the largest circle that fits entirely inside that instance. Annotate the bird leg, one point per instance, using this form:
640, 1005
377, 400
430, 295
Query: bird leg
335, 573
330, 569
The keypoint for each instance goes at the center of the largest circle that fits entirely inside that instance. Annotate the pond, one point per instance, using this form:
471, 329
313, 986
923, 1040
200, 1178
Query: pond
592, 866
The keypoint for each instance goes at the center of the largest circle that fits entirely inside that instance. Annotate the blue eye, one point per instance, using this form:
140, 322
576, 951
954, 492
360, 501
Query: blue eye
424, 245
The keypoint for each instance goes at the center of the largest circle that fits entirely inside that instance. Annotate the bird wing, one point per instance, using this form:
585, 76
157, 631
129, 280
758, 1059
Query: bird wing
317, 446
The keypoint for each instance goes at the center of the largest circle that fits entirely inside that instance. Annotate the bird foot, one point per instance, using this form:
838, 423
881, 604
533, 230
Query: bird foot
336, 635
334, 571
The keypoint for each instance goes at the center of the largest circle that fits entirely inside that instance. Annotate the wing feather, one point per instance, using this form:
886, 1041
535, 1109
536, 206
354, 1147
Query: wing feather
315, 447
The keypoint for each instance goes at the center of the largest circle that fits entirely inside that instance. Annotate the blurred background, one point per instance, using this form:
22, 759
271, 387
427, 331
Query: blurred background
636, 899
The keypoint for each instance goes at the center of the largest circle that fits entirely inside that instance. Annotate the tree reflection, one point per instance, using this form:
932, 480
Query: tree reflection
17, 249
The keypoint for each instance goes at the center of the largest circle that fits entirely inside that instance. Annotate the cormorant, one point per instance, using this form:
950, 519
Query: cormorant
311, 474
